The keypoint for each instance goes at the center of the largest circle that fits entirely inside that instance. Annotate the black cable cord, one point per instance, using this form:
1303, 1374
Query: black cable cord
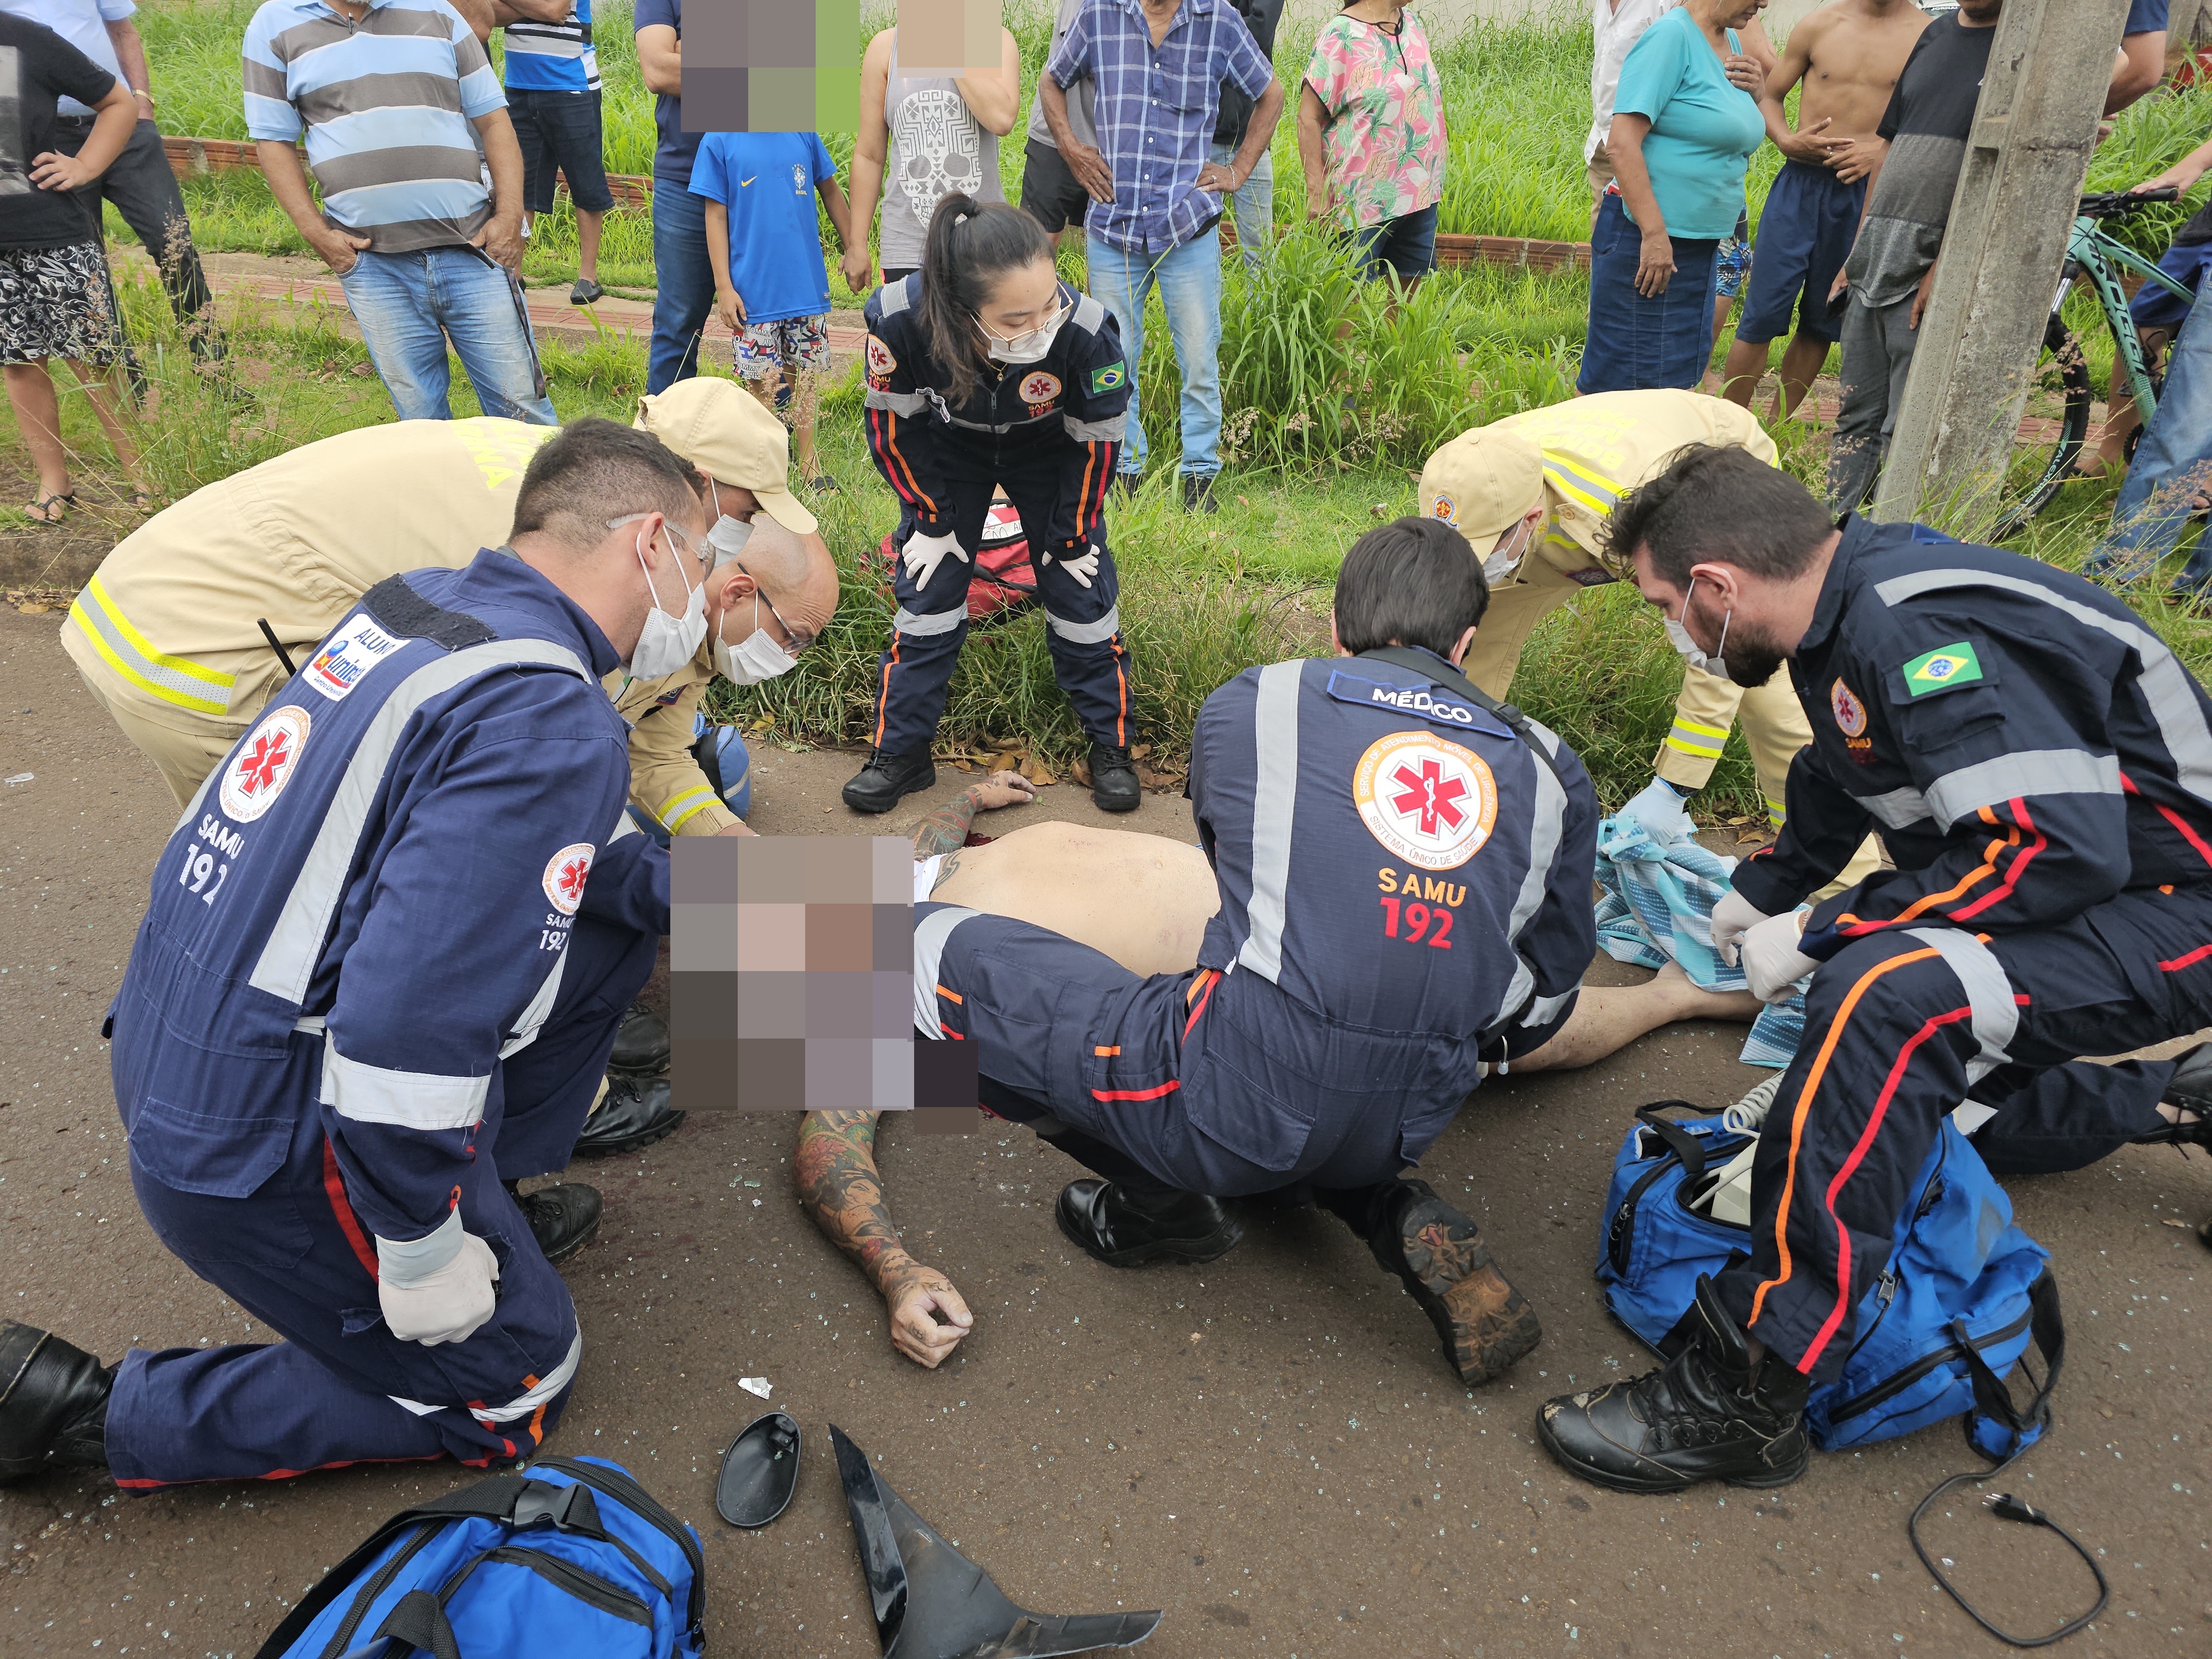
2012, 1508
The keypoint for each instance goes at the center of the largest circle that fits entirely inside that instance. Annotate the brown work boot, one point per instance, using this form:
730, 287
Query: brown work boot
1485, 1324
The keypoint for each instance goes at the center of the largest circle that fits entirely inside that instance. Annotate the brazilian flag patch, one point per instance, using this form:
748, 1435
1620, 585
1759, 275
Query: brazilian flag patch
1111, 378
1942, 669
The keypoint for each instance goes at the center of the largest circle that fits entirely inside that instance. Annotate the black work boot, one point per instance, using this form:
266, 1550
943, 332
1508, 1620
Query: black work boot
53, 1404
1113, 786
563, 1218
1484, 1323
1124, 1228
2190, 1089
888, 778
634, 1114
1198, 492
1708, 1415
640, 1044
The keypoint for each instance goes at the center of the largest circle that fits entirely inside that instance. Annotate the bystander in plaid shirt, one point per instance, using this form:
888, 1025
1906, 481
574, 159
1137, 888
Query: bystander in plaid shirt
1156, 112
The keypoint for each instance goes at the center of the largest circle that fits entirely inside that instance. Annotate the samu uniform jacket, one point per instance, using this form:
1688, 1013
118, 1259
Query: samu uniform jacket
1049, 433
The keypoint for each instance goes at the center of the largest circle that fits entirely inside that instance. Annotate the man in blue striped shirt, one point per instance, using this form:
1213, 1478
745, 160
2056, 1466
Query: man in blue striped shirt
1158, 68
553, 97
423, 227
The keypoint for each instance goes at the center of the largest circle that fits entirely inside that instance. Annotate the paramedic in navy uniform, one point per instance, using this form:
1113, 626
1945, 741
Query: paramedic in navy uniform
387, 953
1405, 874
984, 369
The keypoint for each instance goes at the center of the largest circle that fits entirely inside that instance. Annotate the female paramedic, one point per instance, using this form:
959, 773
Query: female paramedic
985, 370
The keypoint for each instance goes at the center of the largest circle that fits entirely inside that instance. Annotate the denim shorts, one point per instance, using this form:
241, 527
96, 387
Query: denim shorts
560, 129
1407, 244
1637, 342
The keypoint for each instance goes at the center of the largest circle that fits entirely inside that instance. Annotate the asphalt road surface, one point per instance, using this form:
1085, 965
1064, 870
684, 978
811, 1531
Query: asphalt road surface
1270, 1449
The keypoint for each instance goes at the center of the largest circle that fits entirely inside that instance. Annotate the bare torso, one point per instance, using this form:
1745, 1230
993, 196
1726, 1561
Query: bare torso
1853, 52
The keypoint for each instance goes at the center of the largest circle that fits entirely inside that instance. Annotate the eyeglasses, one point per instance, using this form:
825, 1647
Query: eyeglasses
1028, 340
798, 642
684, 538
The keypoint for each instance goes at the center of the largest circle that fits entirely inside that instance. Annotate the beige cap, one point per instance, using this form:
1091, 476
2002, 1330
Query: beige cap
728, 433
1481, 483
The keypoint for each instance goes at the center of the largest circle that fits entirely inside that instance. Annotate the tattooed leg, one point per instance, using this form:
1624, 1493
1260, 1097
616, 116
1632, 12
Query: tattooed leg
839, 1188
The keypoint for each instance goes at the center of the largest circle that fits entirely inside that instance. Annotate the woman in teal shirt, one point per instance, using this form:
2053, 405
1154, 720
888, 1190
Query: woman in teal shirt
1682, 131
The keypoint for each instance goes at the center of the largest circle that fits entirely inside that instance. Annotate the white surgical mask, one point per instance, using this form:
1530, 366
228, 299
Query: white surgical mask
753, 658
1687, 649
1029, 348
728, 538
668, 641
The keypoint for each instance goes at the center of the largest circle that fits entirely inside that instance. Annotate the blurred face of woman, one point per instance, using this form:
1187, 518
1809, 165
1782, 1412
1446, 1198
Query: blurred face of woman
1023, 299
1728, 14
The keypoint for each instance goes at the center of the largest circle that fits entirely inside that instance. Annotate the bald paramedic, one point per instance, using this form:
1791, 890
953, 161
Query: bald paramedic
1532, 493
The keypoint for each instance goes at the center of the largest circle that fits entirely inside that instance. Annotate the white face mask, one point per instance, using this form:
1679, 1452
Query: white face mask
668, 641
1030, 348
1688, 649
728, 536
753, 658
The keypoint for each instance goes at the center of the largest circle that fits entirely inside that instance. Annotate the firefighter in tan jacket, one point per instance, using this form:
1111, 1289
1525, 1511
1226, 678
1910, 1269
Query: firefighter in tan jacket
1531, 493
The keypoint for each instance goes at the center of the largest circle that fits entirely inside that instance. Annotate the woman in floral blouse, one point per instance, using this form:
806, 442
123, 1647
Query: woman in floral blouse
1371, 138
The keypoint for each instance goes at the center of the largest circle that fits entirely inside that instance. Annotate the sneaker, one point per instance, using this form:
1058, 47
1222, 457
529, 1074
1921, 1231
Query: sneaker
587, 291
1113, 786
1708, 1415
635, 1113
1438, 1253
640, 1044
1125, 1228
563, 1218
887, 778
1198, 492
821, 484
53, 1404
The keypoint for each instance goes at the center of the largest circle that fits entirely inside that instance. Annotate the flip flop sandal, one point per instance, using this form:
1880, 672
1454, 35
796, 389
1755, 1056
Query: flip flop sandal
42, 511
759, 1472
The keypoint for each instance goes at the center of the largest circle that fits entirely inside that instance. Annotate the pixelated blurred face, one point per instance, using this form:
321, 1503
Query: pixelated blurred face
947, 37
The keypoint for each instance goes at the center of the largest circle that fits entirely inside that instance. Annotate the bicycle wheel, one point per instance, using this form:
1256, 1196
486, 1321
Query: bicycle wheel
2052, 427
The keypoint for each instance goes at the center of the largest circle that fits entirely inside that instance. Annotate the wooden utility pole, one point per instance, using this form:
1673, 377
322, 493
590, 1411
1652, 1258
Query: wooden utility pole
2034, 127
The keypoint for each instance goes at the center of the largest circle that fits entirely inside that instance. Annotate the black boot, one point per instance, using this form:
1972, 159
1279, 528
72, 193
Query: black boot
1438, 1253
1708, 1415
1198, 492
2190, 1089
636, 1114
640, 1044
53, 1404
887, 778
563, 1218
1113, 786
1126, 1228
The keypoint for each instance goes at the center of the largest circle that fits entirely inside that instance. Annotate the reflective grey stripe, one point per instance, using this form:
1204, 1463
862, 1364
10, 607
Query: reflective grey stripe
1274, 803
548, 1386
409, 1100
1989, 993
1548, 818
1092, 632
288, 959
899, 403
403, 1264
1897, 809
938, 621
2028, 772
1090, 315
1544, 1009
2166, 685
1097, 432
929, 936
892, 296
533, 1018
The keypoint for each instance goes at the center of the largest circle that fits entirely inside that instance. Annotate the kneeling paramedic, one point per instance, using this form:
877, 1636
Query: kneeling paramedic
2040, 767
387, 953
1405, 874
985, 369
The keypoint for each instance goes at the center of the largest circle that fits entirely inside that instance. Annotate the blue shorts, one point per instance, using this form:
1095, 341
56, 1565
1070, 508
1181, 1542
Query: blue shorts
560, 129
1732, 259
1638, 342
1407, 244
2153, 306
1805, 234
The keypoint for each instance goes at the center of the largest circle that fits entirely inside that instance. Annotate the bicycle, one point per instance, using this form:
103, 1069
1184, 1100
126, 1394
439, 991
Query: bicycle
2055, 423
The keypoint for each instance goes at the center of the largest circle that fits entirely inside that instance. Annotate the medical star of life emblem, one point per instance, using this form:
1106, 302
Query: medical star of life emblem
258, 770
566, 873
1430, 801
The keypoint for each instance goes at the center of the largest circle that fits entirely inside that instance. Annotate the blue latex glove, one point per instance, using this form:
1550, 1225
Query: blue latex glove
1659, 809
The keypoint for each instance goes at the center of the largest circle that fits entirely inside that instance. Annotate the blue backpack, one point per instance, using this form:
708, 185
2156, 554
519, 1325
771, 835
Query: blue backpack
573, 1558
1963, 1293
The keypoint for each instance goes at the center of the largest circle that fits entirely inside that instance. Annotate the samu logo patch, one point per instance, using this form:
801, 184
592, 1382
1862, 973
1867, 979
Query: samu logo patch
1112, 378
1942, 669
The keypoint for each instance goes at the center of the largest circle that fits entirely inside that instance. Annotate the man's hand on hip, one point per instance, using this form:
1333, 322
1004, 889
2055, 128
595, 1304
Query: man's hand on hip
501, 237
340, 250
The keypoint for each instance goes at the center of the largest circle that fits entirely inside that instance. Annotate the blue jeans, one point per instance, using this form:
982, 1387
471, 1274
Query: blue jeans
1189, 278
410, 305
2173, 461
685, 296
1254, 205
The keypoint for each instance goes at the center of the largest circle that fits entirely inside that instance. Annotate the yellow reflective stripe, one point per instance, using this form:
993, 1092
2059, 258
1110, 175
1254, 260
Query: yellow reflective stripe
177, 680
1774, 813
691, 803
1577, 484
1699, 740
1684, 724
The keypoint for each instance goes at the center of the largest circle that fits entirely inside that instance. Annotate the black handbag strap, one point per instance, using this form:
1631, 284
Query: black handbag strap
1686, 1146
1992, 1397
420, 1622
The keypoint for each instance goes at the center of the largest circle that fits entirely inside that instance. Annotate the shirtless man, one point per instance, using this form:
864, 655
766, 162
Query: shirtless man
1848, 54
1145, 901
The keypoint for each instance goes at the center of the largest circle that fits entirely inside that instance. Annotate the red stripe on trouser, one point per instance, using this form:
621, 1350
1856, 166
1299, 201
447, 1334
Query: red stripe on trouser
2190, 960
1153, 1093
1209, 978
1828, 1327
883, 696
348, 1223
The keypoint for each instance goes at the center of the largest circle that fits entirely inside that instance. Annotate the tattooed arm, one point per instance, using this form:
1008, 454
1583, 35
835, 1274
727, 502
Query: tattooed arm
945, 830
839, 1188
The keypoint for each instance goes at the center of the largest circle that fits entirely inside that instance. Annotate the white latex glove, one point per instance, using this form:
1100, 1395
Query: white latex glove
444, 1304
1660, 810
1082, 569
1731, 916
923, 554
1772, 964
